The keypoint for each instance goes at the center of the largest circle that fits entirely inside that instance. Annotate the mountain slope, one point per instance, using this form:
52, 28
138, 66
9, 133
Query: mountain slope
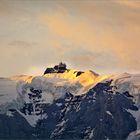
72, 104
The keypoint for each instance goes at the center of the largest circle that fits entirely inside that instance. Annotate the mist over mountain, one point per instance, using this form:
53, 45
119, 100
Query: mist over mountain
65, 103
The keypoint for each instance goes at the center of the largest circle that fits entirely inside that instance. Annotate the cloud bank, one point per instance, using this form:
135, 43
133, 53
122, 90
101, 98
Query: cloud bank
98, 35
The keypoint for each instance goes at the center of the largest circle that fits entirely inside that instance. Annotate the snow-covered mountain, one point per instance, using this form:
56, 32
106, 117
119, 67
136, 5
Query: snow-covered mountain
70, 104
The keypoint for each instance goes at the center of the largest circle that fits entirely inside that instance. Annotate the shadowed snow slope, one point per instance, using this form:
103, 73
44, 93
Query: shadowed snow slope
8, 90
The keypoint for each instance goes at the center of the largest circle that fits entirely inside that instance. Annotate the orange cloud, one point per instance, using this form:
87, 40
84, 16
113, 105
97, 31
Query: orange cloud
129, 3
117, 31
70, 28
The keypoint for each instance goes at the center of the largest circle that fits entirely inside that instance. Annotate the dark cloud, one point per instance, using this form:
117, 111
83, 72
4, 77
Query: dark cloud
24, 44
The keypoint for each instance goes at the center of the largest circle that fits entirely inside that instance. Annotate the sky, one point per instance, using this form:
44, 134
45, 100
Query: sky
100, 35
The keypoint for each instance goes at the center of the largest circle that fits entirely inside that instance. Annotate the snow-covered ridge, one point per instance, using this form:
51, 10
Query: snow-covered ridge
52, 87
57, 84
54, 84
128, 82
87, 79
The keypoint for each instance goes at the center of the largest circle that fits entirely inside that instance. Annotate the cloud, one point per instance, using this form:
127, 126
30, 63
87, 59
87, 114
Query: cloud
131, 4
19, 43
113, 29
87, 34
69, 27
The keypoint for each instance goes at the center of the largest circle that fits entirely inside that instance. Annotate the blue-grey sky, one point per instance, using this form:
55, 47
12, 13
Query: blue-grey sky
101, 35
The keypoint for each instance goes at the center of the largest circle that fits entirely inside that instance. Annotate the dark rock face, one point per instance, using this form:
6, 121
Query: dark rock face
49, 70
78, 73
97, 115
60, 68
15, 127
100, 114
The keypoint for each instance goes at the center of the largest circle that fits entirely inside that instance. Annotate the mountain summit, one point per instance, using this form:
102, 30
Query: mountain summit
70, 104
60, 68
